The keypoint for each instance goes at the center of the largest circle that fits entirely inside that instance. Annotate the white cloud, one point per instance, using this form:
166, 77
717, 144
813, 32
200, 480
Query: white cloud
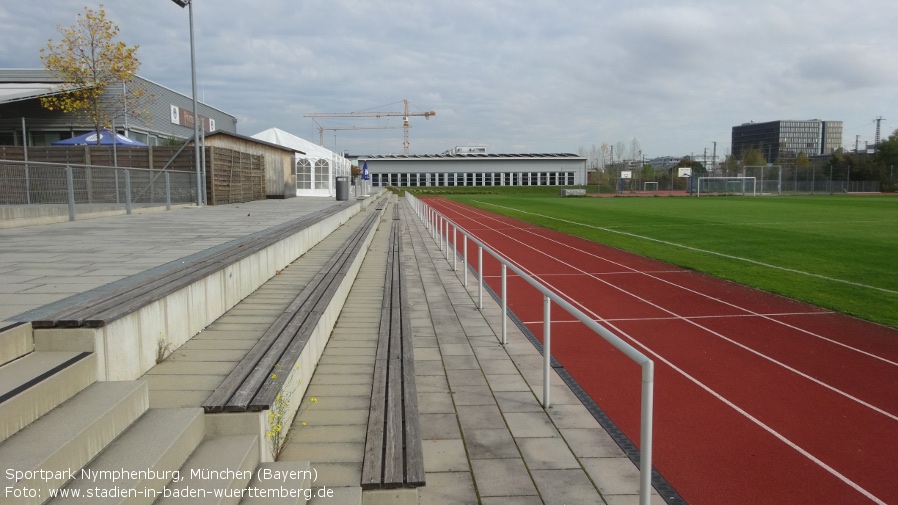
527, 76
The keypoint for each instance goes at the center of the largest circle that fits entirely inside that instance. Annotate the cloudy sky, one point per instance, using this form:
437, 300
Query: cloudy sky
515, 76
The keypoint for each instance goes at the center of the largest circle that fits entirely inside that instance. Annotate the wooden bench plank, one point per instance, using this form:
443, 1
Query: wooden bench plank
393, 442
414, 452
162, 281
372, 462
281, 344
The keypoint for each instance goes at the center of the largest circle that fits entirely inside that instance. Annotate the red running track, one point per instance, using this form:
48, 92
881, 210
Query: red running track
758, 399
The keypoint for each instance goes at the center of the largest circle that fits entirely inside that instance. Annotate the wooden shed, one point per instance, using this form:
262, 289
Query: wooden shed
280, 179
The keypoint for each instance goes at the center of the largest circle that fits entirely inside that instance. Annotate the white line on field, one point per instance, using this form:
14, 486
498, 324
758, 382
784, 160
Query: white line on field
696, 249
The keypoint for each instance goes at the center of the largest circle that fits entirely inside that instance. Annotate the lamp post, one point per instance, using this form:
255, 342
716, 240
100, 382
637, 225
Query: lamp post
196, 118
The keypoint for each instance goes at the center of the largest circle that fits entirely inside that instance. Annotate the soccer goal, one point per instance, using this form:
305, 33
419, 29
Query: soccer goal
726, 186
650, 186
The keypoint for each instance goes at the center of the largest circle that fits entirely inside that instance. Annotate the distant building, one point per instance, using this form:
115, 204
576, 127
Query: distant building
476, 169
23, 121
784, 139
466, 150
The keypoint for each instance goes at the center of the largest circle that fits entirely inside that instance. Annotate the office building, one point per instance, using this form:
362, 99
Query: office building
782, 140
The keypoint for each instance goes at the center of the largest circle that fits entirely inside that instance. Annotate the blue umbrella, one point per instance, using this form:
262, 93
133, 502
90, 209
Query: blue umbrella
365, 175
106, 138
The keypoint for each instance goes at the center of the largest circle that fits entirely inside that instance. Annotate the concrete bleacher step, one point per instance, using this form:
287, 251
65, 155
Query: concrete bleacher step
157, 445
16, 340
36, 383
65, 439
279, 476
216, 473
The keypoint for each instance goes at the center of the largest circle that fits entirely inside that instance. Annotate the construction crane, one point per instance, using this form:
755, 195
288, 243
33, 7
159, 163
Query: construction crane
321, 129
405, 115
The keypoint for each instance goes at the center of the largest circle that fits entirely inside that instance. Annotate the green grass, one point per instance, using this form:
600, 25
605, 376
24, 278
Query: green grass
843, 249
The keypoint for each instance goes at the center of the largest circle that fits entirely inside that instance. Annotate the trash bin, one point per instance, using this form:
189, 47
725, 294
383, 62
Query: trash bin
342, 187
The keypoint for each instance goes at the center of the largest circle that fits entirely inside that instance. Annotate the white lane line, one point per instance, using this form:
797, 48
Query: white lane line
711, 391
832, 471
708, 330
696, 249
692, 322
724, 302
709, 297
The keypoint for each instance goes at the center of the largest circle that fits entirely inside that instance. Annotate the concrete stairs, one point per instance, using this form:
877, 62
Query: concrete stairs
69, 439
15, 341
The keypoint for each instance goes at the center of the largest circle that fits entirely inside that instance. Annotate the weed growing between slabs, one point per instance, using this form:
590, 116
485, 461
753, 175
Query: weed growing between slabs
279, 433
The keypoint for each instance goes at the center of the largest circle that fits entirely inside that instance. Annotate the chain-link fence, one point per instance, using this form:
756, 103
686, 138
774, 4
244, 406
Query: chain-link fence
776, 180
87, 188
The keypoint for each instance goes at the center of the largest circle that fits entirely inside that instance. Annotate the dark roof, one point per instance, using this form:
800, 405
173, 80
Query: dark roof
253, 140
471, 156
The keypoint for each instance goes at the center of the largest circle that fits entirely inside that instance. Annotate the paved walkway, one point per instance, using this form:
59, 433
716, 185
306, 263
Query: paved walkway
42, 264
487, 439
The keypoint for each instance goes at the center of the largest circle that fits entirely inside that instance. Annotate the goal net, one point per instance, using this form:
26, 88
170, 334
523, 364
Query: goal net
650, 186
726, 186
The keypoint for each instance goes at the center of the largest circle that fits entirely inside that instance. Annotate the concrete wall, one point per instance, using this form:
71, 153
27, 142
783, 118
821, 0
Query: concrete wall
127, 348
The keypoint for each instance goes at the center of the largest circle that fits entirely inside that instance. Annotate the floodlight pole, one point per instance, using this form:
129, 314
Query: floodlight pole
196, 117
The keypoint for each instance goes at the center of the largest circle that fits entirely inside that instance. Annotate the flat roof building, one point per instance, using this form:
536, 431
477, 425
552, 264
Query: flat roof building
476, 169
784, 139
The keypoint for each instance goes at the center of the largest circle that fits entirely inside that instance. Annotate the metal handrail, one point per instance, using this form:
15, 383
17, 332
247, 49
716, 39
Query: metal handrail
439, 226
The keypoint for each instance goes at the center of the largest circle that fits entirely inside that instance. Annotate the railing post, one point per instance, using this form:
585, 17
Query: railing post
117, 199
447, 241
167, 191
480, 277
127, 192
504, 304
27, 185
645, 445
547, 347
464, 264
70, 189
454, 245
25, 151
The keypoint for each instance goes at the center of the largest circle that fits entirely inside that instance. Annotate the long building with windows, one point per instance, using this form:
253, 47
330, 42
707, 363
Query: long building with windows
475, 169
784, 139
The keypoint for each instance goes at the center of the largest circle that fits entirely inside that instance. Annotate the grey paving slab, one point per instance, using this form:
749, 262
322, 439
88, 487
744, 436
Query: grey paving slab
94, 252
491, 444
448, 488
444, 455
324, 452
563, 487
502, 477
547, 454
518, 451
485, 435
439, 426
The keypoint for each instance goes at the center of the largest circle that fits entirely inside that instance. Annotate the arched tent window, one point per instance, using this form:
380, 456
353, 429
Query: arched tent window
322, 174
303, 174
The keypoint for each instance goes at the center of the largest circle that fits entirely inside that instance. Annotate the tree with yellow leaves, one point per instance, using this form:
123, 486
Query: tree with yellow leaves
89, 59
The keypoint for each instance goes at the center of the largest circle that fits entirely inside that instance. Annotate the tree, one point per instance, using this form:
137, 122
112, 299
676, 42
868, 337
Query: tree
887, 155
697, 168
752, 157
730, 165
90, 59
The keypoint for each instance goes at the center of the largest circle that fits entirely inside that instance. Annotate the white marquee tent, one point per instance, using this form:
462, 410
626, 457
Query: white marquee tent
316, 169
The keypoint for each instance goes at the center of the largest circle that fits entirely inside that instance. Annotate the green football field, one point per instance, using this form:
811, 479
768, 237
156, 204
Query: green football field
838, 252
